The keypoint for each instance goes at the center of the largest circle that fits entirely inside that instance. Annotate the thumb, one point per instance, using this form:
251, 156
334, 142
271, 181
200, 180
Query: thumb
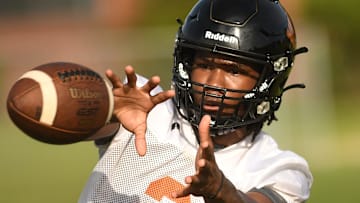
140, 141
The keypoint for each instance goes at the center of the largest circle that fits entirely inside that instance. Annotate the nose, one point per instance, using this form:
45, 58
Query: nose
216, 78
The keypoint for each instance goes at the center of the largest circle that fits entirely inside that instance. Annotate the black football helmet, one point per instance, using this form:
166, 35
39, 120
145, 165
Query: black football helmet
258, 32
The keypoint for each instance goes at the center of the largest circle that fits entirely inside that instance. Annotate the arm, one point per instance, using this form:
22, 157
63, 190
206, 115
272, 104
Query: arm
209, 181
132, 105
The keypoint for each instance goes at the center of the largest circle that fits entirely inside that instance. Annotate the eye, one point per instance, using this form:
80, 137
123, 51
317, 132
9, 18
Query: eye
202, 65
241, 71
235, 70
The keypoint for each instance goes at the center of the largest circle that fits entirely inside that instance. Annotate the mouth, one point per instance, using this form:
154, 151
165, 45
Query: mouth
211, 106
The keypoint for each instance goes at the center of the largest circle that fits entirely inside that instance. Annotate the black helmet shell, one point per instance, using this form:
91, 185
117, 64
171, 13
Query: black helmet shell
255, 26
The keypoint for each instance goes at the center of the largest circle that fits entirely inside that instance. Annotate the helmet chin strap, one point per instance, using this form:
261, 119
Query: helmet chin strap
248, 133
222, 132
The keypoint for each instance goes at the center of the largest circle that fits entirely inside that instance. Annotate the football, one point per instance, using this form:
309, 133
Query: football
60, 102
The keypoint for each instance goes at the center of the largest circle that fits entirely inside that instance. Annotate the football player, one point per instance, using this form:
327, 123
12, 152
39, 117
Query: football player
232, 59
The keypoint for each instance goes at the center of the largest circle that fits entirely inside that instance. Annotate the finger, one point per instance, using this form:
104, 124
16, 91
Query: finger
140, 141
182, 193
163, 96
140, 145
206, 144
201, 163
115, 81
207, 151
186, 191
131, 76
203, 170
151, 84
204, 129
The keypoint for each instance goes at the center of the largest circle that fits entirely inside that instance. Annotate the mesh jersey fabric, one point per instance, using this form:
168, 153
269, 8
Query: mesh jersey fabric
121, 175
124, 176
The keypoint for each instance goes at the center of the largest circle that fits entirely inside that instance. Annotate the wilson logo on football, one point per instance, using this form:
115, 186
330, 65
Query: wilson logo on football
77, 93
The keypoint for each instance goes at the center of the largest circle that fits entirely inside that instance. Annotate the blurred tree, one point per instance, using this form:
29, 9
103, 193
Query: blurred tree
295, 8
164, 12
115, 13
342, 20
29, 7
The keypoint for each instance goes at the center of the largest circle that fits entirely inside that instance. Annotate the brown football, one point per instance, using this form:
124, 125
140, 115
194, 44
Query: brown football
60, 102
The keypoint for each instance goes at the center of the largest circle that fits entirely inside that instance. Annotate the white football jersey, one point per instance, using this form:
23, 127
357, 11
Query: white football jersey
121, 175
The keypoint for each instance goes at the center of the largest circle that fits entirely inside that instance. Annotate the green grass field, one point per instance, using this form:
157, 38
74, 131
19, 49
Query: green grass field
336, 185
35, 172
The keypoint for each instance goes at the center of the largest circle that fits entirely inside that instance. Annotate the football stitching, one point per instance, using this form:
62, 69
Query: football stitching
78, 74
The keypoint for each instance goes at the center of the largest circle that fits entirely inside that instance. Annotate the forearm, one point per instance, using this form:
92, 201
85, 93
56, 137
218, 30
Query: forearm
229, 194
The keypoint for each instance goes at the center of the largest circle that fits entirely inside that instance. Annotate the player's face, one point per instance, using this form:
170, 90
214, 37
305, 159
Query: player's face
223, 72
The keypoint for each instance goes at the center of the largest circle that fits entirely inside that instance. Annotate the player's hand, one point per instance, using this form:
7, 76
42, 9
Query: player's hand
207, 179
132, 104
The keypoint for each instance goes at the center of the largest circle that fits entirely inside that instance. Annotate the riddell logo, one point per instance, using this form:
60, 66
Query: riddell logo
221, 37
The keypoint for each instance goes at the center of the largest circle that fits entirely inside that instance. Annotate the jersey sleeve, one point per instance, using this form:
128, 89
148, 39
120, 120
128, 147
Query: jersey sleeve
261, 164
286, 173
293, 184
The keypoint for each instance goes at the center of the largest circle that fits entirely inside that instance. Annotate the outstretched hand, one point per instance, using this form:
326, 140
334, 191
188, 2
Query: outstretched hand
208, 178
132, 104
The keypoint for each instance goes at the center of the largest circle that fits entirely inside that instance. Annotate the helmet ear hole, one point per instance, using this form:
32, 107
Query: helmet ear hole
277, 88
